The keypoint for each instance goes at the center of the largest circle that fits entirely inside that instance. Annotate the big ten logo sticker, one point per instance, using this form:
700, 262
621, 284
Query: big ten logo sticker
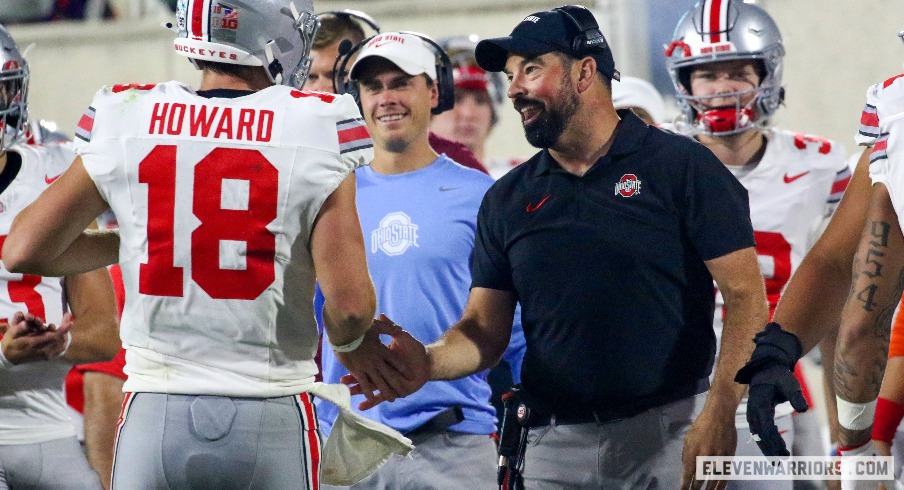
224, 17
395, 234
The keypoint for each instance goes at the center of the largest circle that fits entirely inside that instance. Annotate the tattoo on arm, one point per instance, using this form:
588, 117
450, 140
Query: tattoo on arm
879, 231
860, 367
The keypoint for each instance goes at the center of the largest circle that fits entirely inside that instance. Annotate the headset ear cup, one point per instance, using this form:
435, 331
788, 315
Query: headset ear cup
352, 89
445, 84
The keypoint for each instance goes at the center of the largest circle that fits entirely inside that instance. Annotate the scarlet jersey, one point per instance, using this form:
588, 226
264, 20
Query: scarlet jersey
216, 200
32, 405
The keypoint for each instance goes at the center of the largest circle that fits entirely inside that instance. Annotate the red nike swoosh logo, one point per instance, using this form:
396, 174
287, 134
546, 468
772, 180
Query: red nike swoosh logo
50, 180
792, 178
531, 208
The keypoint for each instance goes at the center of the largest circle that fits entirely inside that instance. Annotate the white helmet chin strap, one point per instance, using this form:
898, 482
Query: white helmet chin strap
268, 48
268, 52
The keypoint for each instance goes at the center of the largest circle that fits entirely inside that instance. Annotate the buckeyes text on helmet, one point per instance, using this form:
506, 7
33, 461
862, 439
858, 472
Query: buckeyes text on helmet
13, 92
274, 34
727, 30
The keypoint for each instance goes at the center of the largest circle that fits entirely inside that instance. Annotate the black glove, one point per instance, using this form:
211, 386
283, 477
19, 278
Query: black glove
770, 374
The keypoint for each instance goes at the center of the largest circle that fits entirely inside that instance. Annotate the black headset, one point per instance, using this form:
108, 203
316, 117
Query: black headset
346, 45
445, 83
354, 14
591, 37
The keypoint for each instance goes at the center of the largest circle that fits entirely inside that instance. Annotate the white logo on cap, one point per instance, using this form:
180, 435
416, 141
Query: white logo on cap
531, 18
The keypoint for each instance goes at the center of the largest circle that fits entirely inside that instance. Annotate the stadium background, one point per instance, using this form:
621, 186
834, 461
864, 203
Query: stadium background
835, 49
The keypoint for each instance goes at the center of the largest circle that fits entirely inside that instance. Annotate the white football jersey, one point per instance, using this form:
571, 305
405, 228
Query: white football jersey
884, 106
32, 405
216, 200
881, 127
793, 192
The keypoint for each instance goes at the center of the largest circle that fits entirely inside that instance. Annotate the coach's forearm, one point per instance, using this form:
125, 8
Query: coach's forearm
466, 348
745, 316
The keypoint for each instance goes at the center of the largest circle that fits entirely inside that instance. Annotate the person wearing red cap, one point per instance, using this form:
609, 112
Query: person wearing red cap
610, 238
479, 96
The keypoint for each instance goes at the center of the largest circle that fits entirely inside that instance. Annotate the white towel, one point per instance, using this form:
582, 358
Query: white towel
357, 446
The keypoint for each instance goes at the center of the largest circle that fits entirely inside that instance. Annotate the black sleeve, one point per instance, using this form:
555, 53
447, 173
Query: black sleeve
717, 212
490, 267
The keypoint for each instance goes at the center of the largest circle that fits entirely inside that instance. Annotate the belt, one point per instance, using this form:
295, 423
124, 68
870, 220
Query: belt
439, 422
601, 416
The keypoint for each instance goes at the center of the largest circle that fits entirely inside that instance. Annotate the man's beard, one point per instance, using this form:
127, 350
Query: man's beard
545, 131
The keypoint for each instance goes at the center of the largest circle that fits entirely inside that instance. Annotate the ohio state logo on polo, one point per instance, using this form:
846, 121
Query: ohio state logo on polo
627, 186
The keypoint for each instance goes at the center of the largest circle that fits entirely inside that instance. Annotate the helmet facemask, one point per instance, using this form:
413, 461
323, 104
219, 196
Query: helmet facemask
728, 118
727, 31
13, 98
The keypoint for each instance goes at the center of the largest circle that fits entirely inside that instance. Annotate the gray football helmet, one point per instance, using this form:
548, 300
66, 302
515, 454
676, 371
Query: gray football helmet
726, 30
274, 34
13, 92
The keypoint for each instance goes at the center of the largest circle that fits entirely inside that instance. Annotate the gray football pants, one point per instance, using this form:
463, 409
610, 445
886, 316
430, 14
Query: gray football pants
53, 465
640, 452
206, 442
440, 461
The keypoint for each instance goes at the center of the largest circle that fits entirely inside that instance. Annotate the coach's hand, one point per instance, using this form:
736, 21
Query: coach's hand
713, 433
406, 366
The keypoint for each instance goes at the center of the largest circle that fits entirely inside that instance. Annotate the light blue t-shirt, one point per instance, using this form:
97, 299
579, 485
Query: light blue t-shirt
418, 234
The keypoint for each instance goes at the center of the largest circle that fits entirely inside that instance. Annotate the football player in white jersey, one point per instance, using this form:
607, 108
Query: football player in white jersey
38, 445
728, 83
230, 200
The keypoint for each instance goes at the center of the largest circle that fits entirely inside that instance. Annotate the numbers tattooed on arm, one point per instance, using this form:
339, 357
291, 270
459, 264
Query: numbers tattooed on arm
872, 267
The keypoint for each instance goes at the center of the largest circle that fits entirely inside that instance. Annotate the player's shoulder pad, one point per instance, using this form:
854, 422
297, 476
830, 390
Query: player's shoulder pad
811, 150
129, 91
887, 97
52, 159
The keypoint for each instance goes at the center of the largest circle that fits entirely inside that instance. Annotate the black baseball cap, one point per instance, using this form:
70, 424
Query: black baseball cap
540, 33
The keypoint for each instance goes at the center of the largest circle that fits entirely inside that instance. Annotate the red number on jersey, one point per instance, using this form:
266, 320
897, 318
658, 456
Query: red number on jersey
774, 245
23, 291
326, 97
159, 276
122, 87
801, 140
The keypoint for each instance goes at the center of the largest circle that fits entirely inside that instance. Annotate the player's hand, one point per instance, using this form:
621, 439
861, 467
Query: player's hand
384, 372
27, 339
769, 387
712, 434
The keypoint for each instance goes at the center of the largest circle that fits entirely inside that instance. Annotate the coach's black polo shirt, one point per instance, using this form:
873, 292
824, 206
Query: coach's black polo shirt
617, 304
